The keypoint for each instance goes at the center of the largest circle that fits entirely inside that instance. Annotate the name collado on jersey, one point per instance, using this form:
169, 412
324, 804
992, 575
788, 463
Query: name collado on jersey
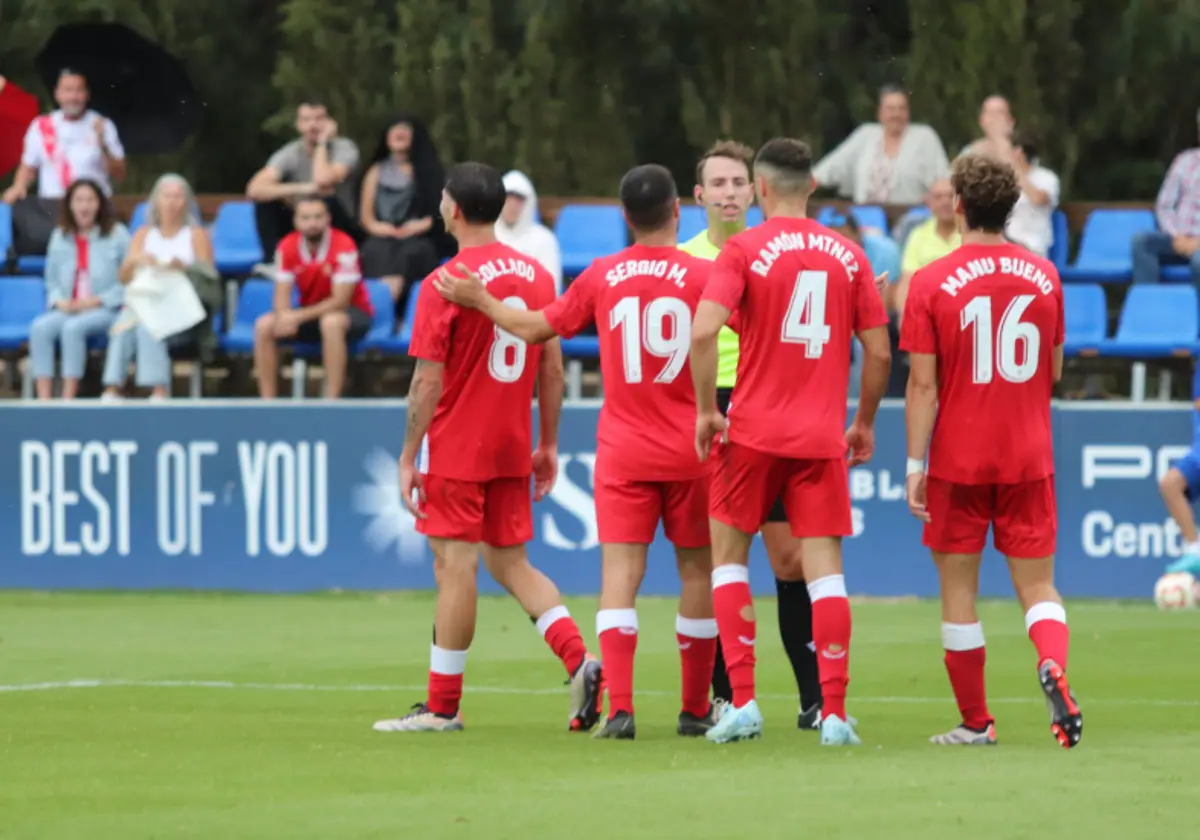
506, 267
785, 242
626, 269
986, 266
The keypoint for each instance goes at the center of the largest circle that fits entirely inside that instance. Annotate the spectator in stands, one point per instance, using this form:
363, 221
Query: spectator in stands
519, 227
70, 143
316, 163
83, 291
1031, 223
399, 207
173, 237
892, 161
335, 308
997, 123
1177, 240
931, 240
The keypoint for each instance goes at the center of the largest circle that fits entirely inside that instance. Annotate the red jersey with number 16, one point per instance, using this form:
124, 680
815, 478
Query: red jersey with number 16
643, 301
482, 427
802, 291
992, 314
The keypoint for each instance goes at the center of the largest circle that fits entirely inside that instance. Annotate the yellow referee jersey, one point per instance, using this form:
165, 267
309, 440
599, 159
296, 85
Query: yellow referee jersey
727, 340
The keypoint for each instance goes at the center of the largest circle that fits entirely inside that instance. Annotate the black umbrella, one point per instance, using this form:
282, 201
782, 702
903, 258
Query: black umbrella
134, 82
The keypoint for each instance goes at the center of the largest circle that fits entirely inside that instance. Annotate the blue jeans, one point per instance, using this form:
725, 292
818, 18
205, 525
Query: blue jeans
70, 331
1152, 249
153, 365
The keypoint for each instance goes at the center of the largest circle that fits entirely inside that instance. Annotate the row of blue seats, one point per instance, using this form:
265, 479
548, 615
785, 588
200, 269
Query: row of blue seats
1155, 322
23, 298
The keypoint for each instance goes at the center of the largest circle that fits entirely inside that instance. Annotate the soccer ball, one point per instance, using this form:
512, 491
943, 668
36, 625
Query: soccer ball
1176, 591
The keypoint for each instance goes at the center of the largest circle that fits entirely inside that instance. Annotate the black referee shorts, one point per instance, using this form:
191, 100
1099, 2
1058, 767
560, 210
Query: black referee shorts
777, 513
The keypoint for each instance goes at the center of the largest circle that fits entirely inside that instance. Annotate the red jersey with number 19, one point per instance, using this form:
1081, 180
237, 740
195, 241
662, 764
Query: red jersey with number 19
801, 291
643, 301
992, 314
482, 427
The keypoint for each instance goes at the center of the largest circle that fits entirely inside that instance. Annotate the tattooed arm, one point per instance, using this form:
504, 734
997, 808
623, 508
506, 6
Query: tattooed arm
423, 396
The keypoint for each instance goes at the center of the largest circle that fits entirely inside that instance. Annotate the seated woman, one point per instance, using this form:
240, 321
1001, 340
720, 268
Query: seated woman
82, 289
399, 204
173, 237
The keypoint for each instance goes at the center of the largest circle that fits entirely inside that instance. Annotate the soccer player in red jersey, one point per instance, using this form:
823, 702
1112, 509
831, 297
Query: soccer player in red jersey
642, 301
984, 331
469, 407
802, 292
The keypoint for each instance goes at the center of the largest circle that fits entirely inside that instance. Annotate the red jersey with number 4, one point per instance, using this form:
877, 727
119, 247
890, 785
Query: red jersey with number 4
992, 314
482, 428
642, 301
801, 291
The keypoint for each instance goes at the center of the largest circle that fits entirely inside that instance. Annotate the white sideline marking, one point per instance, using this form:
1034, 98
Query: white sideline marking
499, 689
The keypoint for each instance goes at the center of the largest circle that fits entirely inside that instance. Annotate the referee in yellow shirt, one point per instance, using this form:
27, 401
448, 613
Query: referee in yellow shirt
725, 191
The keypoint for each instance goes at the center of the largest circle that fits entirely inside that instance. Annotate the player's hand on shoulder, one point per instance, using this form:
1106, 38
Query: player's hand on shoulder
464, 287
915, 494
861, 440
545, 471
412, 484
709, 427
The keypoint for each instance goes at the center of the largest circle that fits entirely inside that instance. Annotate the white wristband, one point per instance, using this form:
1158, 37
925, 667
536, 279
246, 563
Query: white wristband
914, 466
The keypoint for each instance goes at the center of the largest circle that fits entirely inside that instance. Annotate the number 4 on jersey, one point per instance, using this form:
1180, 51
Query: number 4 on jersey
804, 322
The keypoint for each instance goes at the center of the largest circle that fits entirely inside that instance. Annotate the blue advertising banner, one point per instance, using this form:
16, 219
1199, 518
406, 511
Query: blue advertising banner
303, 496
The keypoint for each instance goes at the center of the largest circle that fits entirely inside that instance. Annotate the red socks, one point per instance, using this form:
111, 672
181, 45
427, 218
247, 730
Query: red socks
966, 657
1047, 626
618, 632
734, 609
446, 669
831, 636
560, 632
697, 638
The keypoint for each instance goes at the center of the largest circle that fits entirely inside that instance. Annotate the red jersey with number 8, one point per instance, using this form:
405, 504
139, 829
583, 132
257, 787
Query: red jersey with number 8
992, 314
642, 301
802, 291
482, 427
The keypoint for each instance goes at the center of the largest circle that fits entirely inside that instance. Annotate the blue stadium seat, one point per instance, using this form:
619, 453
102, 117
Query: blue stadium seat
5, 231
692, 220
1060, 241
255, 298
32, 265
1104, 251
21, 300
139, 216
867, 216
1176, 273
1156, 321
380, 337
1086, 315
581, 347
588, 231
754, 216
236, 246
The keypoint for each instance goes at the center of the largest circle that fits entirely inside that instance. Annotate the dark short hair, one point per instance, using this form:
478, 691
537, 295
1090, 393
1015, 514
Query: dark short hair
648, 197
889, 89
71, 71
730, 149
311, 100
308, 198
1028, 142
478, 190
988, 190
105, 216
789, 161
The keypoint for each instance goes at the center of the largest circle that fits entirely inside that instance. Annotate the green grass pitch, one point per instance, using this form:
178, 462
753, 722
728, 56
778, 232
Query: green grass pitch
250, 717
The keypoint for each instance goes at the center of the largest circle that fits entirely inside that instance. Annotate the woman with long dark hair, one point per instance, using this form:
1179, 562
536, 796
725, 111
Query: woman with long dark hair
83, 292
399, 199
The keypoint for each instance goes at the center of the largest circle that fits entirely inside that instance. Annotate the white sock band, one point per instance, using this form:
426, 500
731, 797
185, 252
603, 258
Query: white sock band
448, 662
550, 616
732, 573
1045, 611
962, 636
696, 628
616, 619
830, 586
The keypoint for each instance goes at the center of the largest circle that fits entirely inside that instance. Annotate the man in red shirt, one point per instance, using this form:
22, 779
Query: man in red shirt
984, 331
642, 301
469, 410
335, 308
802, 292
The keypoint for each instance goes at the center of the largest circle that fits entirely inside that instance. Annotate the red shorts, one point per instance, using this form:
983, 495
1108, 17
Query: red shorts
1024, 517
815, 492
629, 511
497, 512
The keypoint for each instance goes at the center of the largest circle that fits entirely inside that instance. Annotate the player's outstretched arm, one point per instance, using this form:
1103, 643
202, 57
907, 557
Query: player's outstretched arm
877, 366
710, 317
920, 406
1058, 363
466, 289
423, 396
550, 399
